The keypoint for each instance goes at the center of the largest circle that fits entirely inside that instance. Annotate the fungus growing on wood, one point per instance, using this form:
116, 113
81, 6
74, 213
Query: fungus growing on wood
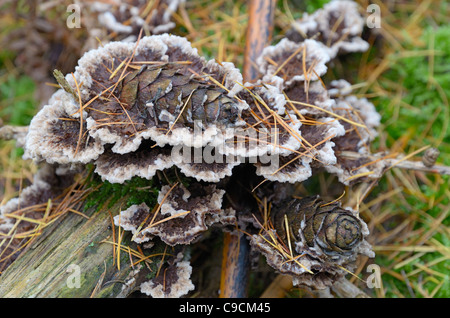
128, 17
133, 109
55, 135
144, 162
48, 183
183, 215
205, 164
128, 103
356, 138
158, 88
293, 62
174, 280
309, 98
338, 26
316, 149
38, 192
269, 129
314, 240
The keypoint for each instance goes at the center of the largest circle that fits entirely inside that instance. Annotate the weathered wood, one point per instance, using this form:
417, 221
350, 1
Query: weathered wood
67, 251
259, 34
344, 289
236, 247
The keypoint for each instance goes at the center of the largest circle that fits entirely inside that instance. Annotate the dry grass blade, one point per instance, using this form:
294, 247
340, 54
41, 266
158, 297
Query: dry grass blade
19, 238
330, 113
288, 235
117, 69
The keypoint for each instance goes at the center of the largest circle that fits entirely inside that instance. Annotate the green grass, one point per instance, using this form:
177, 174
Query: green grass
17, 103
413, 99
425, 93
17, 108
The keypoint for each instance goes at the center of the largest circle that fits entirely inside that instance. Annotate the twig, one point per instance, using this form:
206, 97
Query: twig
399, 163
259, 32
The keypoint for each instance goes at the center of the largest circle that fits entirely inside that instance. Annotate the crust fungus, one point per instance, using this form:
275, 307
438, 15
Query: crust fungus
309, 98
38, 192
183, 215
325, 237
158, 89
205, 164
269, 129
144, 162
338, 26
48, 183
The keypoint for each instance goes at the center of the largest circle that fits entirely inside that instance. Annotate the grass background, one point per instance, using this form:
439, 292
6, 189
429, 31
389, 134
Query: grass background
405, 73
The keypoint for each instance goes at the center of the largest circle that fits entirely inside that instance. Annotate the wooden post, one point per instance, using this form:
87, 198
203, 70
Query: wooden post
69, 260
235, 264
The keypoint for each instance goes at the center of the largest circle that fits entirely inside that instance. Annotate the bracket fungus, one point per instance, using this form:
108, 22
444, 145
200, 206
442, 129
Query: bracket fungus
283, 60
332, 122
128, 17
49, 184
325, 238
176, 281
337, 26
135, 108
188, 210
356, 138
316, 150
126, 102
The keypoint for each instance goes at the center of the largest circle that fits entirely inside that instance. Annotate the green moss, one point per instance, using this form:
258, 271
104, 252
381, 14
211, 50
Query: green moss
137, 190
